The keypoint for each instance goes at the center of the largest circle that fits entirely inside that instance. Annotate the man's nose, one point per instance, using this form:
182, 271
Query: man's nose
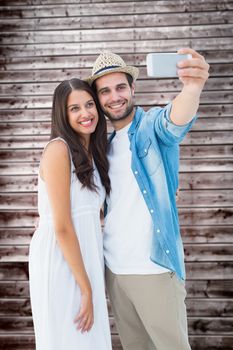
114, 95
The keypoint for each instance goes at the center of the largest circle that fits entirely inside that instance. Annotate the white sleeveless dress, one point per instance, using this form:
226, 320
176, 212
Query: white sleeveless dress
55, 295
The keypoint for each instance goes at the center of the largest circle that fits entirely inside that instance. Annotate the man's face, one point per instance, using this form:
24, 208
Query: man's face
116, 98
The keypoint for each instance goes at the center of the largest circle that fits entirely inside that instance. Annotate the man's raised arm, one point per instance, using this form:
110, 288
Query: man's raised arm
193, 73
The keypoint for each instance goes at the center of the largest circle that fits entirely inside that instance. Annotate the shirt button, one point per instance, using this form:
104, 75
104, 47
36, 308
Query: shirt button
158, 230
145, 150
144, 191
136, 172
167, 251
151, 210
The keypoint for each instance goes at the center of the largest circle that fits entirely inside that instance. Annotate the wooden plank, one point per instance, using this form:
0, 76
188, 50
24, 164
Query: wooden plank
201, 271
106, 34
209, 270
187, 198
193, 253
22, 201
205, 216
20, 289
209, 308
114, 21
195, 307
52, 68
212, 325
26, 342
25, 169
37, 115
43, 128
95, 9
20, 3
30, 65
200, 152
193, 138
18, 183
16, 236
195, 289
18, 219
202, 216
193, 198
186, 165
123, 46
14, 253
17, 342
160, 85
211, 342
15, 307
200, 326
204, 234
209, 165
208, 289
210, 151
192, 181
190, 234
208, 252
14, 271
149, 99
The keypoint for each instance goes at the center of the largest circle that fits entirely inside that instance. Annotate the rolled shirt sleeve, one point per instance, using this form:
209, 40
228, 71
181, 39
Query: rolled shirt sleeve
166, 130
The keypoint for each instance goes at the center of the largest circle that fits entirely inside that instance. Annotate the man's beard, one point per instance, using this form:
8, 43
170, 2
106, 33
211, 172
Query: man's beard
123, 116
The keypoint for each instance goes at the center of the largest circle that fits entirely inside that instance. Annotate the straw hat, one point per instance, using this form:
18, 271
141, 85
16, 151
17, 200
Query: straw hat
109, 62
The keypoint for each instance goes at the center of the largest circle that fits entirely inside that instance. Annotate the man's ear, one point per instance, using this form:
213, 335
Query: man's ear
133, 88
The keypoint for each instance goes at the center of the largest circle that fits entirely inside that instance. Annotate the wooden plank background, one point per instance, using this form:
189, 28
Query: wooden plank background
43, 42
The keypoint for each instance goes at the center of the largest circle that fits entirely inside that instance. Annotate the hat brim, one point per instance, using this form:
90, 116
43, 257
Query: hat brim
133, 71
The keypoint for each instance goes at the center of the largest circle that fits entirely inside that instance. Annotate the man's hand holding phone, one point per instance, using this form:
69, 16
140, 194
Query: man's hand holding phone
187, 65
192, 69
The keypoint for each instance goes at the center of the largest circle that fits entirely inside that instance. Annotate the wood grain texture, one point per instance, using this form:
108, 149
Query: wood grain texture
44, 42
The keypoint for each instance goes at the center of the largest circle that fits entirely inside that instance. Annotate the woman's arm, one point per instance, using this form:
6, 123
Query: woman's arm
55, 170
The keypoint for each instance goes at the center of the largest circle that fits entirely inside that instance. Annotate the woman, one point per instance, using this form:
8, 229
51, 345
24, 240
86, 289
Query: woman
66, 253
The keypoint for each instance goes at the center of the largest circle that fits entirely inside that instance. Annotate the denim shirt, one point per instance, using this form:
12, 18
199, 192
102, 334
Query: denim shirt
154, 143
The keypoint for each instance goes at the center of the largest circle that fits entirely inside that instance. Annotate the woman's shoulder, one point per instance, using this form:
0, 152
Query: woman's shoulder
56, 147
55, 157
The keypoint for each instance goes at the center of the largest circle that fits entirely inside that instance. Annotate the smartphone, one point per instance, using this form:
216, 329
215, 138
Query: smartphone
164, 65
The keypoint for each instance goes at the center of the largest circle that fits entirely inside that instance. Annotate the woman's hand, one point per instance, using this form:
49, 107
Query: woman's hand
85, 317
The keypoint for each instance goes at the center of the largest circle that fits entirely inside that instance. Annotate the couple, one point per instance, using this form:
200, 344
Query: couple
137, 173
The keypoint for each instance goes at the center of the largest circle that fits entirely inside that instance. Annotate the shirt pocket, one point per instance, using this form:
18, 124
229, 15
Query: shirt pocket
149, 157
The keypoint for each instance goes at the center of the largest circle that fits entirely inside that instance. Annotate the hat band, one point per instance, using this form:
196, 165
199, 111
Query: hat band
106, 68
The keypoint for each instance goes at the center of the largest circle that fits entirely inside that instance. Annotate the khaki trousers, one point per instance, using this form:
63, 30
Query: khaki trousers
149, 311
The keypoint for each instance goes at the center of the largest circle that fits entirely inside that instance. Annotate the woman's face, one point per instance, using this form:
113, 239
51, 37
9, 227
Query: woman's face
82, 113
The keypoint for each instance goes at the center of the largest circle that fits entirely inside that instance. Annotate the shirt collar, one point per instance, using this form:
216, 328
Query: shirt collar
137, 117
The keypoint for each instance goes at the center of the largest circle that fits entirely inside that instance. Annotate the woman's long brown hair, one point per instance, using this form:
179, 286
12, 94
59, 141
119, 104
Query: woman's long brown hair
98, 141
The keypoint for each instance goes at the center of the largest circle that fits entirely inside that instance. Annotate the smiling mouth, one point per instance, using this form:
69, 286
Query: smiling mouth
116, 105
87, 122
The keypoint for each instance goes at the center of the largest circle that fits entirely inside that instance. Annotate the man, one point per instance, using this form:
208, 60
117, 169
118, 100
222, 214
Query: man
142, 244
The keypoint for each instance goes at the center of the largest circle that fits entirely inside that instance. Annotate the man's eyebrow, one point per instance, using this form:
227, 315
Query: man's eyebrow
103, 88
107, 88
124, 84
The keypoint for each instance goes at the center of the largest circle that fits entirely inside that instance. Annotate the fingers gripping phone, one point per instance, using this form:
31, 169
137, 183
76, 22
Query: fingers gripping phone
164, 65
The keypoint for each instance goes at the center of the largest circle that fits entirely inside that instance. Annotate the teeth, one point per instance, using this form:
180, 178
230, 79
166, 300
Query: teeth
116, 106
87, 122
